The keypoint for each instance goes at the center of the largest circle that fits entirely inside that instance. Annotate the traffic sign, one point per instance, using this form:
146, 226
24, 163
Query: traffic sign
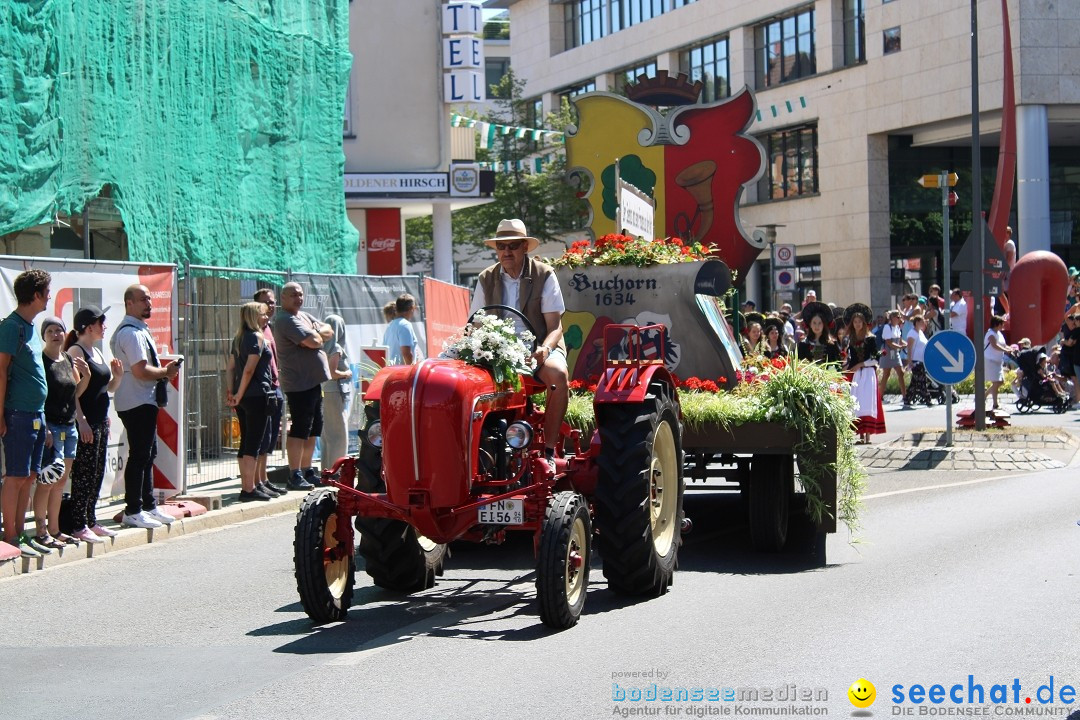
949, 357
967, 259
783, 255
933, 181
785, 279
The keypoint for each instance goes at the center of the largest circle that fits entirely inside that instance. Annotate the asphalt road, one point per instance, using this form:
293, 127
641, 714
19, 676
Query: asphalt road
954, 575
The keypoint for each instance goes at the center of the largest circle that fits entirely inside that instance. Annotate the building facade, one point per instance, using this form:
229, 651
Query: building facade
856, 100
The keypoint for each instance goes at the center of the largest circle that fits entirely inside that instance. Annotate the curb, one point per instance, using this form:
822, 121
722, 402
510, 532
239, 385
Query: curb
230, 514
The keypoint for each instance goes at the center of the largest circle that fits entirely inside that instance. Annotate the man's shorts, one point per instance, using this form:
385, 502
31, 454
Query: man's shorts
24, 442
305, 413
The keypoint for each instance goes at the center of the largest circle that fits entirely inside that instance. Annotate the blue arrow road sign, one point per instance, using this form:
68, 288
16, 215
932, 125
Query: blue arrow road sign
950, 357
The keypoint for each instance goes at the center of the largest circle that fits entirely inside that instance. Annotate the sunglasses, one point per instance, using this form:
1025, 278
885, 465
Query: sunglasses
511, 246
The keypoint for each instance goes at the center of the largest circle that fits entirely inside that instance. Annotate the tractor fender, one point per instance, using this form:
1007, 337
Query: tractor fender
630, 383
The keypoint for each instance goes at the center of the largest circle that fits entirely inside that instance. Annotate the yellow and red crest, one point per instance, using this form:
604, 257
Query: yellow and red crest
693, 162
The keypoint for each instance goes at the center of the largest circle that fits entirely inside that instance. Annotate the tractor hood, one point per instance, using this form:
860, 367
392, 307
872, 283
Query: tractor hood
431, 416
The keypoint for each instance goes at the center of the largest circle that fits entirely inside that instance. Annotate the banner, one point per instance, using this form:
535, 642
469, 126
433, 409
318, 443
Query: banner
359, 300
447, 311
76, 283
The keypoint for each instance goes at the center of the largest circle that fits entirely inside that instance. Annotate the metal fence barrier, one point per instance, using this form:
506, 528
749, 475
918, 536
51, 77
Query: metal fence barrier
208, 318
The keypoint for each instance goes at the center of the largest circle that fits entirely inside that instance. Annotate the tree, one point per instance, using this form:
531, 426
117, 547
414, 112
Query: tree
547, 204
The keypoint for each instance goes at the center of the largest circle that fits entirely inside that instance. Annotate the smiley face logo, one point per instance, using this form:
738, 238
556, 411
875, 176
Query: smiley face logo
862, 693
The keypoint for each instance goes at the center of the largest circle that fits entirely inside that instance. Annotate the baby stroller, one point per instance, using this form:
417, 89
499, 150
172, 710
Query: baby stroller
936, 391
1034, 392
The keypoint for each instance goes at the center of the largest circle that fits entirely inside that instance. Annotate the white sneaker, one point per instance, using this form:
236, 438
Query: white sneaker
160, 515
139, 520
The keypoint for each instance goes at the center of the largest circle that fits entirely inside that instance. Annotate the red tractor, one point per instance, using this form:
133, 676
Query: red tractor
448, 454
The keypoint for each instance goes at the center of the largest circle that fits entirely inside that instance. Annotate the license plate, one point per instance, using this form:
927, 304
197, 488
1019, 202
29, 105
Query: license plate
503, 512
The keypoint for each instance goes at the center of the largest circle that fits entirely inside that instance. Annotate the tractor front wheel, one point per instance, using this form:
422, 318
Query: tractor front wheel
562, 573
639, 493
323, 564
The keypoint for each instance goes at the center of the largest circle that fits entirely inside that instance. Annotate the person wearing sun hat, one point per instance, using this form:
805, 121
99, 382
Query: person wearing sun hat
530, 286
818, 345
861, 370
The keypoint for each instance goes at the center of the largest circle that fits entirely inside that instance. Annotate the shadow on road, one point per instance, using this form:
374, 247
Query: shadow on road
477, 601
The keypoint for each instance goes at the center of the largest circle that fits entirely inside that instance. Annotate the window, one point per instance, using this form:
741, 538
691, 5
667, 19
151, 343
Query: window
625, 13
629, 76
494, 71
347, 130
573, 92
791, 170
892, 40
585, 22
854, 32
784, 49
708, 63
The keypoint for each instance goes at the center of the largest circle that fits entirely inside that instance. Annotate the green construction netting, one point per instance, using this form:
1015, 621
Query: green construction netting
217, 123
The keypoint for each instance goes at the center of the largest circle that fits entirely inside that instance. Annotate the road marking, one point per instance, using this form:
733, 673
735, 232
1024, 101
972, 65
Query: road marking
933, 487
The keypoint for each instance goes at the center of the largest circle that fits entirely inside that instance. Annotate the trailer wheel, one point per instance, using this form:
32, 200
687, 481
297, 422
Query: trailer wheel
562, 572
770, 500
323, 566
639, 493
805, 537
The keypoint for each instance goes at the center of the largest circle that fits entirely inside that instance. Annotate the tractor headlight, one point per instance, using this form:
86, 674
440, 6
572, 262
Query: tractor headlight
519, 435
374, 434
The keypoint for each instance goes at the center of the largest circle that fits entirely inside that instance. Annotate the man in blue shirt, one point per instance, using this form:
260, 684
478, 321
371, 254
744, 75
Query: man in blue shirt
399, 338
22, 404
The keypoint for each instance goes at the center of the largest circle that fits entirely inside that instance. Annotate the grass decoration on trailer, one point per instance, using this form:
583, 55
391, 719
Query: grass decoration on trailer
806, 397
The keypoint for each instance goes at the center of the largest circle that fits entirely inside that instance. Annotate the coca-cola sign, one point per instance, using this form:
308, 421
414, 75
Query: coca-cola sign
383, 244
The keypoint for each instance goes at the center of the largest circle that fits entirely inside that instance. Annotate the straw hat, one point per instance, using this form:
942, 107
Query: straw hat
511, 230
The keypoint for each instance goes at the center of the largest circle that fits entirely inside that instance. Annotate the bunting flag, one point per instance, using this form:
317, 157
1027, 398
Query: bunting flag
488, 131
790, 105
534, 166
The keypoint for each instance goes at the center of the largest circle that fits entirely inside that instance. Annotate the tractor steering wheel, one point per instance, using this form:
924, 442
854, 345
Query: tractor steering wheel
513, 311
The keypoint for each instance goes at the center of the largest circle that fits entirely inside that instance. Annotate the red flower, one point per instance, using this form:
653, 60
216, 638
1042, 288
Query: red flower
619, 246
677, 242
692, 383
779, 363
592, 388
710, 386
685, 251
577, 384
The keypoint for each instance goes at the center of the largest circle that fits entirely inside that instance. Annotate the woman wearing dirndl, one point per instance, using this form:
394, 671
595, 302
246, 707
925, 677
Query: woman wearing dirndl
818, 345
773, 346
752, 336
862, 364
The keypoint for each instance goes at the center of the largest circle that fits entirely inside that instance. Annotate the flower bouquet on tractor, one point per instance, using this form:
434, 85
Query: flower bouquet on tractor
453, 449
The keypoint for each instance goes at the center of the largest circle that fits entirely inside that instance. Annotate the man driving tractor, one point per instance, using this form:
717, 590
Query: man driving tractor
528, 285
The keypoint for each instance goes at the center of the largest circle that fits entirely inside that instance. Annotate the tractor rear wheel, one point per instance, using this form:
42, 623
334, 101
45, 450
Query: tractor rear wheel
772, 484
639, 492
562, 572
396, 557
324, 568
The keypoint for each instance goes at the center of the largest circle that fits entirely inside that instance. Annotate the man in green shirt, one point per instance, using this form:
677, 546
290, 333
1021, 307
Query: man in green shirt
22, 404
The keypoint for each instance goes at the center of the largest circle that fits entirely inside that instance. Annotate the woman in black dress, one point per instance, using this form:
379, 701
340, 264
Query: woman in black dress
773, 347
818, 345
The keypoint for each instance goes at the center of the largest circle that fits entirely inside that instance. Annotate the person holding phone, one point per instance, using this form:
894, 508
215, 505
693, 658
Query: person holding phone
137, 406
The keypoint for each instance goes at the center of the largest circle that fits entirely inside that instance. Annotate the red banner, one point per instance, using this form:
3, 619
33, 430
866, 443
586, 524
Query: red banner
446, 308
385, 254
